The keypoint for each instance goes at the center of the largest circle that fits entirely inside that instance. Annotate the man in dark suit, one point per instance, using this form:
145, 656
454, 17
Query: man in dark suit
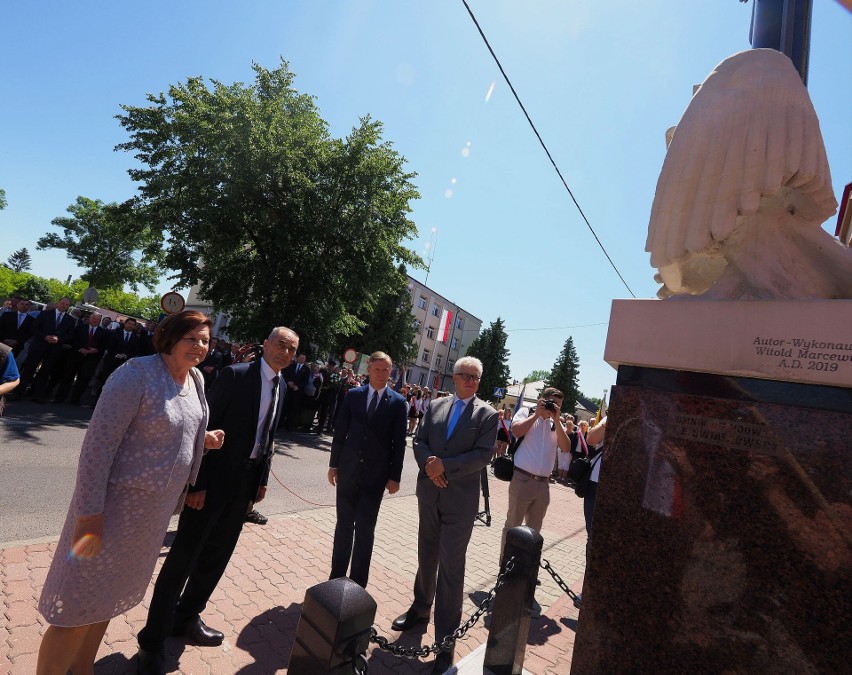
16, 327
146, 339
367, 453
51, 332
122, 344
88, 341
454, 443
296, 377
245, 402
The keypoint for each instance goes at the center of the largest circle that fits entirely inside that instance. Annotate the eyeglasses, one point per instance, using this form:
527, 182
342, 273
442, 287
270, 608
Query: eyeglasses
467, 377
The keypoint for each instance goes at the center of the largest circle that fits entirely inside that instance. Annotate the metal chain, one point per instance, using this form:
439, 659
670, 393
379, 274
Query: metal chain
546, 566
361, 665
450, 640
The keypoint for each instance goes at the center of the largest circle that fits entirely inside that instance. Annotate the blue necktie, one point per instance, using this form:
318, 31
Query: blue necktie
458, 406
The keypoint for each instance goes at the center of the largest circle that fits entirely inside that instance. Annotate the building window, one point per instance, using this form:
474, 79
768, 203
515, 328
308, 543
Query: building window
422, 379
450, 365
455, 343
436, 311
425, 357
459, 322
438, 361
421, 303
430, 333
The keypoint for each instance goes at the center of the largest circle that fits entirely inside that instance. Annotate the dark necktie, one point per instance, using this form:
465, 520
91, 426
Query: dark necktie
91, 342
265, 434
21, 318
371, 409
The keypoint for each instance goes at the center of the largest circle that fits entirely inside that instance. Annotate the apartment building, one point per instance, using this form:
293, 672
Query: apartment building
444, 332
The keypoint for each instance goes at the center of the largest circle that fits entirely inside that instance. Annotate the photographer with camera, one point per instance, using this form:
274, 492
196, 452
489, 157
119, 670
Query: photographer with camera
542, 434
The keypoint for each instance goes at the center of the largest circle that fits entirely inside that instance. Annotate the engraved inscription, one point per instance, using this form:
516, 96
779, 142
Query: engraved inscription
804, 354
726, 433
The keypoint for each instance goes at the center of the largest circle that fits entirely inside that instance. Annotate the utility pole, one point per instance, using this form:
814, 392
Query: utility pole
783, 25
431, 245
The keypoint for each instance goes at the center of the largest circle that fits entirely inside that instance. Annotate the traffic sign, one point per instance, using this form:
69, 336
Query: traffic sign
172, 302
498, 392
350, 355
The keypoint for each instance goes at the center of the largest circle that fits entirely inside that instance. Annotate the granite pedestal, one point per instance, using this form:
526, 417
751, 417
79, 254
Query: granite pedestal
722, 538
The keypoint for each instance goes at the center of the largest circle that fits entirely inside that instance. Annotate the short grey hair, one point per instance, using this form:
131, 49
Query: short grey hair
284, 331
470, 362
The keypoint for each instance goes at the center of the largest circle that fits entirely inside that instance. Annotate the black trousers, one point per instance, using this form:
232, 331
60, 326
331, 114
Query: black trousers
40, 353
79, 366
357, 512
202, 548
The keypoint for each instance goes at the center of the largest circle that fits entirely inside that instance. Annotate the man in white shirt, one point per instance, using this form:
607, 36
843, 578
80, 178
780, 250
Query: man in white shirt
543, 435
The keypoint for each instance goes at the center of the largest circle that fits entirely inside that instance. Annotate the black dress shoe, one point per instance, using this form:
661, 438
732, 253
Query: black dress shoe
408, 620
442, 663
256, 517
199, 633
151, 663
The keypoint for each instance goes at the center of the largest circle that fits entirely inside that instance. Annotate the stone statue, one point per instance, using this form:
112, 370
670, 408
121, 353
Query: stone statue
744, 190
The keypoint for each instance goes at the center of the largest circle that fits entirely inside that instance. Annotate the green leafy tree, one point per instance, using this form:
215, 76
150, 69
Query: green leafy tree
565, 375
19, 261
389, 327
10, 281
277, 220
60, 289
35, 288
110, 242
129, 303
3, 201
537, 375
596, 401
490, 348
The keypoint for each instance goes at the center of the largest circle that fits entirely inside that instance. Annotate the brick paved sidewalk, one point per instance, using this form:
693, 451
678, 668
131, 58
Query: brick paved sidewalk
258, 602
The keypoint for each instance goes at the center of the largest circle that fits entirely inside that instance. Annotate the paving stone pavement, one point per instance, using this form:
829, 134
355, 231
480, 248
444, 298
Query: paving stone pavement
258, 603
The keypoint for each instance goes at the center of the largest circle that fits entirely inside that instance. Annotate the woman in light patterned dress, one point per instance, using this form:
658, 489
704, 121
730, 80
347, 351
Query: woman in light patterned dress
143, 447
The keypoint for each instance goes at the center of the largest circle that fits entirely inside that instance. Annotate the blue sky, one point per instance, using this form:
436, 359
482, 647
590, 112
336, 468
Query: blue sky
602, 80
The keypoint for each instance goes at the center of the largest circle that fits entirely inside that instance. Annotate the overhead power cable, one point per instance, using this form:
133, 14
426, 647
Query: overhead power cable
547, 152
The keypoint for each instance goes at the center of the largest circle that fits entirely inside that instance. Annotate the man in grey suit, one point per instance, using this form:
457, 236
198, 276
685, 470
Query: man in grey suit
454, 443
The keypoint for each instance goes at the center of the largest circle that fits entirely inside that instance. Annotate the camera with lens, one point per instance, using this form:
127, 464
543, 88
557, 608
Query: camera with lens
551, 405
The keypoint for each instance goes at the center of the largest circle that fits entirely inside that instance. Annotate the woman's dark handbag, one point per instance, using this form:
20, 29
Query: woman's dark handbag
582, 483
580, 466
504, 465
580, 461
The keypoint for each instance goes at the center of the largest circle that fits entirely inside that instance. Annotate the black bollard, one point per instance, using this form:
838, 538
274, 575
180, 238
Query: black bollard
510, 620
334, 628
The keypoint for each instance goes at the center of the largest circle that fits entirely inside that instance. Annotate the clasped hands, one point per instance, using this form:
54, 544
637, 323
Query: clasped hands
434, 468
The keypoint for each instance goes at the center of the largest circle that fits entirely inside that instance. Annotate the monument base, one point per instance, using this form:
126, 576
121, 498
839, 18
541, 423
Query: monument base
722, 534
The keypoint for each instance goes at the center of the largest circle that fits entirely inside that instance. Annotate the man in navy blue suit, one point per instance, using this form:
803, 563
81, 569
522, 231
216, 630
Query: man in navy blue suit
367, 452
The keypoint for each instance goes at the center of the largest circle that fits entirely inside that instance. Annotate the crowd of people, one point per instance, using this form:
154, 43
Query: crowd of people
186, 425
65, 355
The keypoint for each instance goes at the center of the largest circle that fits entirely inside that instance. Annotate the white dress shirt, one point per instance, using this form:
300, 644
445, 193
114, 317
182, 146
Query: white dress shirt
266, 375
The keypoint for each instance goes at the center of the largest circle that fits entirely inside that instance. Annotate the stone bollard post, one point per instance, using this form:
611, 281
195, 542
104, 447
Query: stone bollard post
333, 629
510, 620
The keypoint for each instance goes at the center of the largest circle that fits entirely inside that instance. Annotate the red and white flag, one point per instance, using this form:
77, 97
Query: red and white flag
445, 325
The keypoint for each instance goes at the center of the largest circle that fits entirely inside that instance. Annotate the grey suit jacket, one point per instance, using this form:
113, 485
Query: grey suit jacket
464, 453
